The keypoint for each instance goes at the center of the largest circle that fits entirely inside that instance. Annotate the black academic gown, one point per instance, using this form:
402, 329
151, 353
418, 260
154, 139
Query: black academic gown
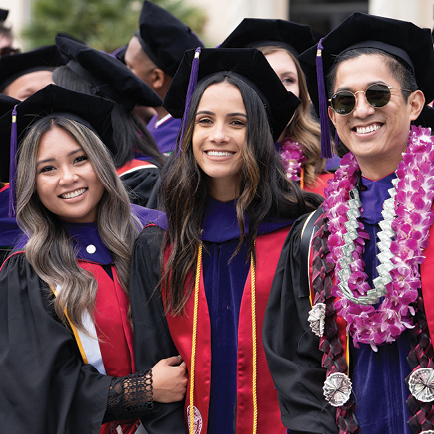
45, 386
292, 349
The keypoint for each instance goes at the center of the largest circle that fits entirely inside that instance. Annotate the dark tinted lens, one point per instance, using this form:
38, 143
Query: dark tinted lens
378, 95
343, 102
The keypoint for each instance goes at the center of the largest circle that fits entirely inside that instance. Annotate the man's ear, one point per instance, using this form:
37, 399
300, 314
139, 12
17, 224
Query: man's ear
158, 78
417, 102
332, 115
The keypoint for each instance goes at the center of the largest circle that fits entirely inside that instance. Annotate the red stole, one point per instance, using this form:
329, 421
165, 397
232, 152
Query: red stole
133, 165
427, 279
268, 248
114, 333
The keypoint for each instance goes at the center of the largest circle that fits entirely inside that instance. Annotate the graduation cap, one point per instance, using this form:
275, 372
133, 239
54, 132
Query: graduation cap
3, 14
256, 32
400, 38
92, 111
41, 59
164, 38
7, 103
107, 75
249, 64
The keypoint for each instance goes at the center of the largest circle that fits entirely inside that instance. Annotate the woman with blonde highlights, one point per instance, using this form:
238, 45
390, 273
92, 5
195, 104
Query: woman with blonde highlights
66, 359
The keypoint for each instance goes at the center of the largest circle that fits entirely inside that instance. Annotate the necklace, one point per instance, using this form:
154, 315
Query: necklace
292, 159
405, 232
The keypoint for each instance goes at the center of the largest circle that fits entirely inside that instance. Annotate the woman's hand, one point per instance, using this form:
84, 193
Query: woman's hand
169, 379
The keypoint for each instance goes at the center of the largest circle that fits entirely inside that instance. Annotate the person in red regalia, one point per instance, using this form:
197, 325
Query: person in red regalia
66, 353
203, 276
360, 359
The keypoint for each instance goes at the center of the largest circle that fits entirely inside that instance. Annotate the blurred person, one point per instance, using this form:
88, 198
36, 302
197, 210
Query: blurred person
300, 144
23, 74
153, 54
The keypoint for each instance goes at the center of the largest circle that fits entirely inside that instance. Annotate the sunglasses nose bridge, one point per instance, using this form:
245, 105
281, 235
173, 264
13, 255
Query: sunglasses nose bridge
358, 101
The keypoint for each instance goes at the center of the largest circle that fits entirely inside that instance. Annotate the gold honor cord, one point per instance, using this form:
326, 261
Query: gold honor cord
74, 330
255, 398
194, 336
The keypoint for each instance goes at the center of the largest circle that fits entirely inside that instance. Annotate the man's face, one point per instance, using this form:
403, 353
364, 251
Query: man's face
376, 136
28, 84
138, 61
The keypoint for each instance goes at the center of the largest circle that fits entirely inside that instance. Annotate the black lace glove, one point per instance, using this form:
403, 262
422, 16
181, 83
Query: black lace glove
130, 396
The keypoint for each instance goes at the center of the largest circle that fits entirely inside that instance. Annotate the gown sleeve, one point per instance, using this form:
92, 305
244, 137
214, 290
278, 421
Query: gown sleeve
45, 388
152, 339
140, 184
292, 349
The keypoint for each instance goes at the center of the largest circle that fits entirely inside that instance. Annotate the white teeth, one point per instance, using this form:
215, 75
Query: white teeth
364, 130
73, 194
219, 154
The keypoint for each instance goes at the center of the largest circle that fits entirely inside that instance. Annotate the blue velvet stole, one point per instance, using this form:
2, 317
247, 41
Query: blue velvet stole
10, 233
379, 377
224, 285
165, 134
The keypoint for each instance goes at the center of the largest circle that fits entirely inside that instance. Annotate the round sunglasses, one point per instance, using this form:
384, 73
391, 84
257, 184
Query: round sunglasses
378, 95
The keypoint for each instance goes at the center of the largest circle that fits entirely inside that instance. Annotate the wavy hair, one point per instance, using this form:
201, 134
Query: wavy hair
49, 248
303, 128
264, 192
130, 132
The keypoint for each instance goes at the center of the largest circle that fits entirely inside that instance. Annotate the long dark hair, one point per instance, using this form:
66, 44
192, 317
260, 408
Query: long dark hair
264, 192
129, 131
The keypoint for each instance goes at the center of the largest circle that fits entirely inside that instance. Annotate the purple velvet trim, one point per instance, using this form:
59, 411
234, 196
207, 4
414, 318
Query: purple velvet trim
165, 134
10, 233
322, 100
13, 163
190, 90
379, 373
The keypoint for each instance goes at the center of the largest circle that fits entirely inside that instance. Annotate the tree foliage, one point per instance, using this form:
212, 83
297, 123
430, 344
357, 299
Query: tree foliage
102, 24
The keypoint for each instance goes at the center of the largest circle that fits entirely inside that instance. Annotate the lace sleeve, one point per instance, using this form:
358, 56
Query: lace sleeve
130, 396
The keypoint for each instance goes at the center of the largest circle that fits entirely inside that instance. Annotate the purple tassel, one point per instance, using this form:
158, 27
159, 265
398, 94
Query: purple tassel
322, 100
190, 90
13, 164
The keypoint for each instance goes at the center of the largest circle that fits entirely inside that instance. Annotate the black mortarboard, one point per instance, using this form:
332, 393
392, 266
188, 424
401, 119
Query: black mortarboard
400, 38
7, 103
108, 76
256, 32
41, 59
164, 38
250, 65
3, 14
92, 111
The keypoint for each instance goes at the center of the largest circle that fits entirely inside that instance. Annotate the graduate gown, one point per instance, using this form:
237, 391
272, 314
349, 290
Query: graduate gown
165, 133
52, 382
139, 177
223, 368
378, 378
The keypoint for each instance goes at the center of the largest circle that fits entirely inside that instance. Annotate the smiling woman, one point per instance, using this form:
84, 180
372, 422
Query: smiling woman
229, 208
64, 294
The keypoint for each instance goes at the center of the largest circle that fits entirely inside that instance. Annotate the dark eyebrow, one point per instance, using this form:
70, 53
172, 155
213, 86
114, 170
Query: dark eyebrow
206, 112
53, 159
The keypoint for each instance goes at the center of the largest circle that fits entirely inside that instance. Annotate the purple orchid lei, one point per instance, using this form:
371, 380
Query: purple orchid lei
292, 157
414, 217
